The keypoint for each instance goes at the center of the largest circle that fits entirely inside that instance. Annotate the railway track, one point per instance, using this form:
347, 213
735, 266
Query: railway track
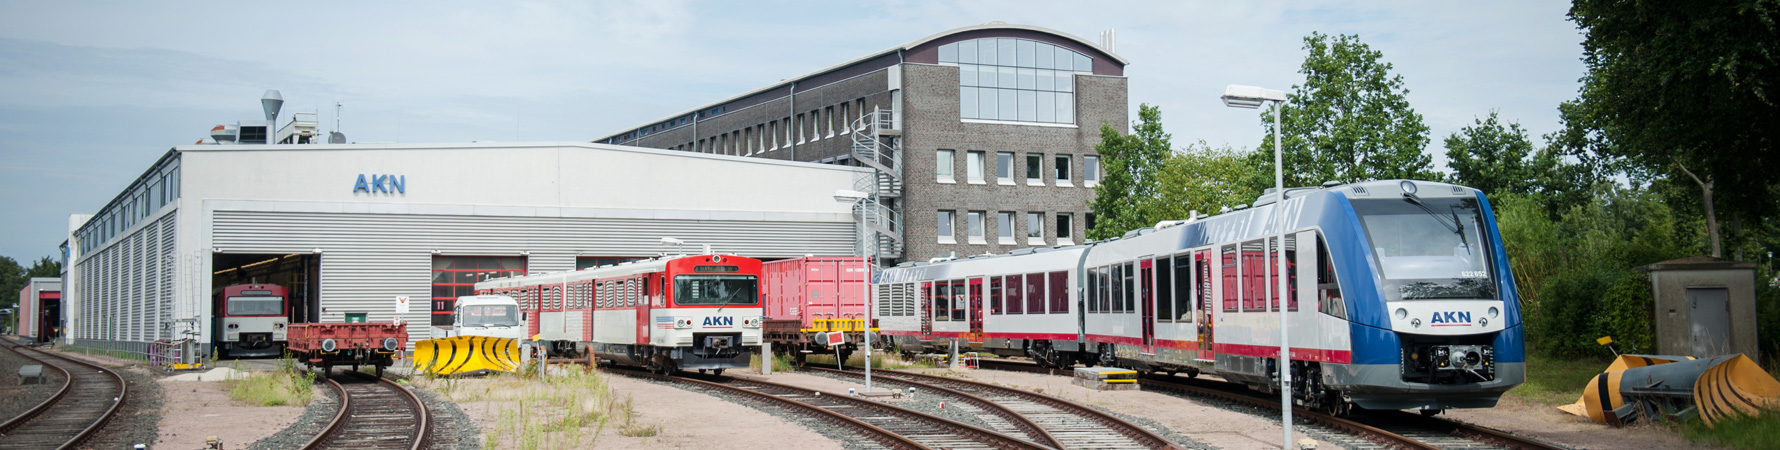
89, 397
1371, 429
374, 413
1044, 419
888, 426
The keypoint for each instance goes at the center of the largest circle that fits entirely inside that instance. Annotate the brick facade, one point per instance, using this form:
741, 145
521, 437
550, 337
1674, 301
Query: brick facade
769, 123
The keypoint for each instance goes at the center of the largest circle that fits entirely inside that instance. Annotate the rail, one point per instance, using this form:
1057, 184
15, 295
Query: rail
343, 421
27, 427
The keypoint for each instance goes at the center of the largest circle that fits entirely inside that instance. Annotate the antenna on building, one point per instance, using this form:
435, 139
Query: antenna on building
336, 137
1108, 41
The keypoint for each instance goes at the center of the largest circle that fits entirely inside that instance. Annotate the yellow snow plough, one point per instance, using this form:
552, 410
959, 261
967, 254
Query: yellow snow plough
1653, 387
483, 337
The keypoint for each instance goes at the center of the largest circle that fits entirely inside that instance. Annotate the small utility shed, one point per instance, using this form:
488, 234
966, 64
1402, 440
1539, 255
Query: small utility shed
1705, 306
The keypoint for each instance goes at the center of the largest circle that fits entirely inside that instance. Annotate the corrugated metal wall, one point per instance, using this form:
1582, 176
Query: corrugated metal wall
127, 287
369, 259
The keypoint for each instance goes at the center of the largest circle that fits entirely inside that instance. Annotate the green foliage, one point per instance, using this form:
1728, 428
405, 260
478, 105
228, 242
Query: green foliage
1204, 179
1500, 160
287, 386
1683, 91
1744, 432
1123, 199
1767, 317
1577, 274
1348, 122
1558, 381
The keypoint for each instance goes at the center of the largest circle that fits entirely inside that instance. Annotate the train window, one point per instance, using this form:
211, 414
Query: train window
1119, 284
1016, 302
960, 302
1093, 282
1164, 290
1291, 272
1183, 287
644, 284
1254, 275
1328, 287
1104, 297
1059, 292
926, 296
942, 302
1232, 292
1035, 293
995, 296
1130, 283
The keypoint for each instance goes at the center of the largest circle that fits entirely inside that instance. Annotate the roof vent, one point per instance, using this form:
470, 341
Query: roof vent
1458, 190
1360, 190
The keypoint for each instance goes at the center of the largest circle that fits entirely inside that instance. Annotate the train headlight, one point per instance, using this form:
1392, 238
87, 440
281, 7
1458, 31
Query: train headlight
279, 325
1483, 322
1402, 313
390, 344
682, 323
1494, 312
1415, 323
1408, 187
328, 345
234, 326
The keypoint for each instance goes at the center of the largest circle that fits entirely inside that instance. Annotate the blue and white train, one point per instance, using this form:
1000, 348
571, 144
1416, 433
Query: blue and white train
1400, 297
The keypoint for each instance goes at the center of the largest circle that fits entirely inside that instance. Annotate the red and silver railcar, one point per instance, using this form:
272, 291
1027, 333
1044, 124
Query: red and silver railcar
683, 312
252, 319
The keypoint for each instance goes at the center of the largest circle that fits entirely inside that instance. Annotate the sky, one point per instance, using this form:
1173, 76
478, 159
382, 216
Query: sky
93, 92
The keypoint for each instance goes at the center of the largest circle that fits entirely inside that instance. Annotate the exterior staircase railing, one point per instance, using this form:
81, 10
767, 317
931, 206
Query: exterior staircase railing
877, 144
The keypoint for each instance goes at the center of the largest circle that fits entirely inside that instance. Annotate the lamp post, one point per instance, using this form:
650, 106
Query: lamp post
858, 198
1251, 97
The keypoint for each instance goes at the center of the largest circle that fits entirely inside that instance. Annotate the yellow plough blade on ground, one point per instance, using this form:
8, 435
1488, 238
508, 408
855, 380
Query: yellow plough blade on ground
1656, 387
466, 354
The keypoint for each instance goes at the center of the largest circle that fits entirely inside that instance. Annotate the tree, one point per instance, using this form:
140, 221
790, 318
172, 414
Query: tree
1682, 91
1204, 179
1348, 122
44, 268
12, 279
1500, 160
1124, 199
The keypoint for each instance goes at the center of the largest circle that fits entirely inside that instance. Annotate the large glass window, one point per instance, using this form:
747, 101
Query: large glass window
456, 276
490, 316
1429, 248
715, 290
1015, 79
256, 306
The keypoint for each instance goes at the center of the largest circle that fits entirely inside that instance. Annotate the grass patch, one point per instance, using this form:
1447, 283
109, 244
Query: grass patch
564, 409
781, 363
286, 386
1555, 381
1760, 432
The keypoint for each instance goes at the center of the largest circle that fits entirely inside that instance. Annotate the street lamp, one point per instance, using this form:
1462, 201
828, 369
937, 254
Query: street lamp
1251, 97
858, 198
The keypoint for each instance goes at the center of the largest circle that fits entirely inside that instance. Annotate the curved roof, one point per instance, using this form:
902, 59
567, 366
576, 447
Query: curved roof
998, 25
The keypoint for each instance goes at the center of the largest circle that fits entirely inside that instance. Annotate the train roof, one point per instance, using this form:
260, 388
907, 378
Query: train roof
607, 271
1237, 217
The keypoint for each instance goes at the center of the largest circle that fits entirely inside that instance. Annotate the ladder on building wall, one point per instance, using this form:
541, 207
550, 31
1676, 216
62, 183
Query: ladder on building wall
877, 143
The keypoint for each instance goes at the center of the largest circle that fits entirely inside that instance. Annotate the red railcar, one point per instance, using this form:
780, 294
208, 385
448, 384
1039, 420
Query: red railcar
326, 345
807, 298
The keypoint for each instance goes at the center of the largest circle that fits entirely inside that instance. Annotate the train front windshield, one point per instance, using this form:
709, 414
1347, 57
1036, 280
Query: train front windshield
690, 290
256, 306
1431, 248
491, 316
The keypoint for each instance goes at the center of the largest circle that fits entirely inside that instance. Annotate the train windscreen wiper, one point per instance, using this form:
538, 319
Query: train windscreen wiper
1451, 223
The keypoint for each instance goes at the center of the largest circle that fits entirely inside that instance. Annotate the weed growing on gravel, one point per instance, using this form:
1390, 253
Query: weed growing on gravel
286, 386
1736, 432
1556, 381
562, 410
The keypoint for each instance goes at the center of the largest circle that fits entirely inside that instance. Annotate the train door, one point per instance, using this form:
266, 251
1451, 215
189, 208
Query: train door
927, 310
1146, 291
1202, 271
630, 297
976, 309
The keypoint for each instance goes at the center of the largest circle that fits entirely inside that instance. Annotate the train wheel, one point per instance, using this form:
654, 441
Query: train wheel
379, 371
1431, 412
716, 371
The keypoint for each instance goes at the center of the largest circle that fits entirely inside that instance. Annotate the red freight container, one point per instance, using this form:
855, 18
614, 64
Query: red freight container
814, 287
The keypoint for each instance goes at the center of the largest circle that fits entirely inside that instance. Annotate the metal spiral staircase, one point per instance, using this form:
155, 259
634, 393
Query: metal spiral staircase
877, 143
